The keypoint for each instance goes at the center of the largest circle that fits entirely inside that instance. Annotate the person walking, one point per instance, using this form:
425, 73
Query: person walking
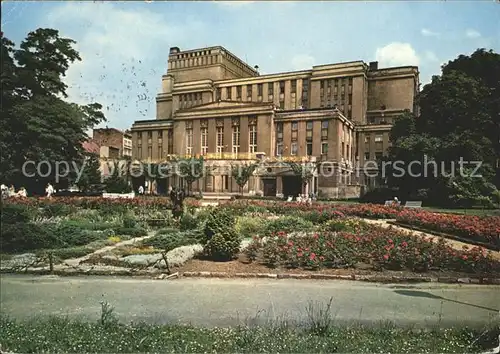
49, 190
141, 190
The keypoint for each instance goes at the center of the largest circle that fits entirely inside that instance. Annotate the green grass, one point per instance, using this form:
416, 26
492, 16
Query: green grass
64, 336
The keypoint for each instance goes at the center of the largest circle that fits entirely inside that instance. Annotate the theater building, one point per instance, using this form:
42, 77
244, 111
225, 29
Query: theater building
215, 105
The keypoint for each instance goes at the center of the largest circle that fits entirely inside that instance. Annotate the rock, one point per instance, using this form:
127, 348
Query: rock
20, 260
161, 276
141, 259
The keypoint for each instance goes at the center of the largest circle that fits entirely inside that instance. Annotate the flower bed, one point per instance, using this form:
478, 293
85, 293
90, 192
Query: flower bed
475, 228
322, 211
373, 246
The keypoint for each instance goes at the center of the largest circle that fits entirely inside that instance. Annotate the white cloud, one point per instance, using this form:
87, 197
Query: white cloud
430, 56
396, 54
121, 67
428, 33
302, 62
471, 33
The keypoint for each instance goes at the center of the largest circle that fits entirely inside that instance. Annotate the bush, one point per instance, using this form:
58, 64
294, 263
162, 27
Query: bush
250, 226
68, 253
132, 231
222, 241
188, 222
17, 213
129, 222
25, 236
168, 239
72, 235
288, 224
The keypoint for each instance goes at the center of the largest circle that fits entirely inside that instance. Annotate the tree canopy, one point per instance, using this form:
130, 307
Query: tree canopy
459, 119
38, 124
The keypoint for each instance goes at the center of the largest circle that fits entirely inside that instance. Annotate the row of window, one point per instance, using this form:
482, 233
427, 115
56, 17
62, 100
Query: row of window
270, 92
220, 143
379, 138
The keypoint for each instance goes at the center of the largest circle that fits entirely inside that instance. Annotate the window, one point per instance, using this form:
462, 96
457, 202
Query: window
279, 130
347, 152
204, 140
228, 92
282, 87
238, 93
367, 140
367, 156
252, 138
160, 137
150, 152
170, 141
343, 150
294, 86
378, 138
324, 148
249, 92
259, 89
270, 88
309, 149
350, 98
295, 128
150, 137
220, 140
218, 94
378, 155
189, 141
324, 130
305, 93
225, 180
160, 152
139, 138
236, 139
293, 150
282, 104
139, 152
309, 131
279, 148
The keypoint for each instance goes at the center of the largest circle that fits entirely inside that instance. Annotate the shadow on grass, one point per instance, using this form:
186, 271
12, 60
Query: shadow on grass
416, 293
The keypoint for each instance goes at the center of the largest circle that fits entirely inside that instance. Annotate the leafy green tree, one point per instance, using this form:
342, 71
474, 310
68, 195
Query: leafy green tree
117, 182
459, 120
190, 169
242, 173
37, 123
91, 174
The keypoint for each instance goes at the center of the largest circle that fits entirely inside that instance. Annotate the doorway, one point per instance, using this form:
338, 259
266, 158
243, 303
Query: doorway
291, 186
269, 187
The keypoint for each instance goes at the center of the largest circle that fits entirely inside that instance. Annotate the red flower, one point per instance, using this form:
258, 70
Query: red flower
386, 256
299, 254
312, 256
464, 257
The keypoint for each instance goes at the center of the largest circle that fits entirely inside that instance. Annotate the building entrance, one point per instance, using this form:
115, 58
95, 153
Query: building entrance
269, 187
291, 186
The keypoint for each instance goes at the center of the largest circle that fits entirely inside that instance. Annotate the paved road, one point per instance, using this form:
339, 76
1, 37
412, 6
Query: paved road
224, 302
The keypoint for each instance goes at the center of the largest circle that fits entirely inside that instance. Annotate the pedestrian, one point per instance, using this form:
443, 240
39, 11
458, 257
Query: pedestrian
49, 190
141, 190
12, 191
22, 192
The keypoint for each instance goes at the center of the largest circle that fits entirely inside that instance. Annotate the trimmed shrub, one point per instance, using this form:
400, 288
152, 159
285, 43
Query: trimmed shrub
222, 241
188, 222
250, 226
21, 236
168, 239
132, 231
13, 213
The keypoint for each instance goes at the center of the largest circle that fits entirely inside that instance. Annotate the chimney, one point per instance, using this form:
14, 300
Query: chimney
373, 65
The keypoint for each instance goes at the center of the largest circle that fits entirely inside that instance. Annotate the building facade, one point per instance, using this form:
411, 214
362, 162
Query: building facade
114, 143
215, 105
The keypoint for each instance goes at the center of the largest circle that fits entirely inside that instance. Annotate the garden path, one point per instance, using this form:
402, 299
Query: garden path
76, 261
453, 243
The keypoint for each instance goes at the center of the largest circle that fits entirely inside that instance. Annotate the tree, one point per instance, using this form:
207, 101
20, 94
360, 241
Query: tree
190, 169
117, 182
91, 174
242, 173
459, 120
37, 123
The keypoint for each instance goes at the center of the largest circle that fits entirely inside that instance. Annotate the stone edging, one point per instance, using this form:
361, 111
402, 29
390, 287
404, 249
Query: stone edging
366, 278
445, 235
354, 277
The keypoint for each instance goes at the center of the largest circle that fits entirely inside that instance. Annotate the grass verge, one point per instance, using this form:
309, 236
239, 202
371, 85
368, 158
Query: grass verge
63, 335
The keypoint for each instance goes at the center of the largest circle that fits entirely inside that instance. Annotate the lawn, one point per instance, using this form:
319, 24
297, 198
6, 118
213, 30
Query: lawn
319, 335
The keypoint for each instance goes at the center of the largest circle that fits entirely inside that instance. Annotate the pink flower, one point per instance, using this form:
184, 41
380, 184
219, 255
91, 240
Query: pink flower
386, 256
312, 256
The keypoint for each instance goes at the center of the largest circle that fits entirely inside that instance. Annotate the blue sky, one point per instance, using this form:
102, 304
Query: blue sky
124, 45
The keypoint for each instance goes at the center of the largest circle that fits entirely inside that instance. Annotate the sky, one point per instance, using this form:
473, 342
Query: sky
124, 45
